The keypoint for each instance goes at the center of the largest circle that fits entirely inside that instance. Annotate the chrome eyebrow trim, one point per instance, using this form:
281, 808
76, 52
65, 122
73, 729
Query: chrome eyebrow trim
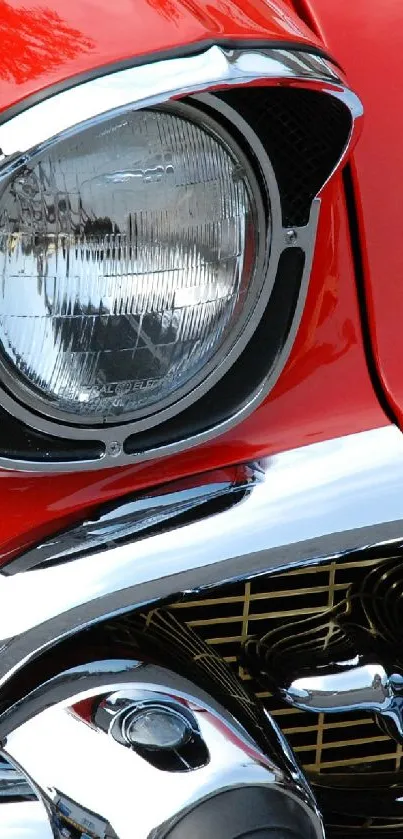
153, 83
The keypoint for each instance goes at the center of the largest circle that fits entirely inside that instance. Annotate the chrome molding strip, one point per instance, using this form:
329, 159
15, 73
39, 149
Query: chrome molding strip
133, 518
154, 83
314, 502
37, 126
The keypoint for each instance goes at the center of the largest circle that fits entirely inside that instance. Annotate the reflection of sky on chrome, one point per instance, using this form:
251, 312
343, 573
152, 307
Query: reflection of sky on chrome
24, 821
322, 489
60, 751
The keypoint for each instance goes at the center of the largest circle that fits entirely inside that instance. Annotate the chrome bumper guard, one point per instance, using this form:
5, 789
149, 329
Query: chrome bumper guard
203, 774
298, 507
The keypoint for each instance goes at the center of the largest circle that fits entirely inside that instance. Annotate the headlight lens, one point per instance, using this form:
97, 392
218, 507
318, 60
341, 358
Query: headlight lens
131, 257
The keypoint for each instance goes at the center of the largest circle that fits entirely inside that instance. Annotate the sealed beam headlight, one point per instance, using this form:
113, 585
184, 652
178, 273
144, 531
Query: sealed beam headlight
132, 259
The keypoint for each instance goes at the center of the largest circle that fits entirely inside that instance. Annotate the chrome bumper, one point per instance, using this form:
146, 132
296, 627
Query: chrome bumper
298, 507
94, 782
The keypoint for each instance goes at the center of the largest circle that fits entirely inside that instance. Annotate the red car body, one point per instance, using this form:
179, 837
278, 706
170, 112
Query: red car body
327, 388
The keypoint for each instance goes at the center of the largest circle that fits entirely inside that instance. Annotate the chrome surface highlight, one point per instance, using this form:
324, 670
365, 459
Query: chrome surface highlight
45, 734
315, 502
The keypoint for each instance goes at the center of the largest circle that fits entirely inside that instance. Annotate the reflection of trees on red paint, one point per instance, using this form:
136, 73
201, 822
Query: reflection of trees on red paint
222, 13
35, 41
166, 8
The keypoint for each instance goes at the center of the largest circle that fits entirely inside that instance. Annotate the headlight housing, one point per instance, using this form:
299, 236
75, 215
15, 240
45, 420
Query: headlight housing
157, 228
132, 256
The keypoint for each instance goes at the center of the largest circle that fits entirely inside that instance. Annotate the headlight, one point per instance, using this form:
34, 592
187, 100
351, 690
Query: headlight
132, 257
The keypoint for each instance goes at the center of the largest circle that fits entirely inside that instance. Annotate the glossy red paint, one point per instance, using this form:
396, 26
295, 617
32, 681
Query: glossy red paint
368, 40
324, 392
44, 42
325, 389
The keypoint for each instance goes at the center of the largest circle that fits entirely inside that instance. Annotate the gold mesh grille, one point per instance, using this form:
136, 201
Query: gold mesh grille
326, 744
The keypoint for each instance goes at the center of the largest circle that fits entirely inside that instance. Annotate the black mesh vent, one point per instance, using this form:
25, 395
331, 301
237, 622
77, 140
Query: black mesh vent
304, 133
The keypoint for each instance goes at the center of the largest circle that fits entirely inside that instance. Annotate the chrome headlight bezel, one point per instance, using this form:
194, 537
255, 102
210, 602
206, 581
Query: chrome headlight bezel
268, 223
69, 446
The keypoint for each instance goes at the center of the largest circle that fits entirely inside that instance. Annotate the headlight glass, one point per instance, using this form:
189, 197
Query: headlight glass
131, 258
